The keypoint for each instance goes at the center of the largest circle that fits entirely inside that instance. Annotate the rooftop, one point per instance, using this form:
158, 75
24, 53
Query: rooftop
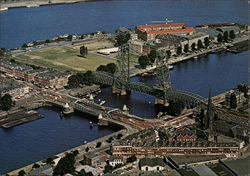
9, 84
185, 30
211, 32
161, 25
151, 162
239, 166
181, 159
147, 138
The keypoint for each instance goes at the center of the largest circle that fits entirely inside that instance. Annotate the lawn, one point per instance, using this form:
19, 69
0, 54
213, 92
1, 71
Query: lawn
63, 58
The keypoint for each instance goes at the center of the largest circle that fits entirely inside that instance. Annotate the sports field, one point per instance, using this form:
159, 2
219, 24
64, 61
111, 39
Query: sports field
63, 58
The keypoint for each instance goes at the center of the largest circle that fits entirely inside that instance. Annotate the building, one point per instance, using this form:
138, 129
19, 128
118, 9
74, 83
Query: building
212, 33
240, 98
87, 169
182, 161
12, 87
149, 32
150, 143
182, 40
42, 76
95, 159
115, 160
238, 167
151, 164
137, 47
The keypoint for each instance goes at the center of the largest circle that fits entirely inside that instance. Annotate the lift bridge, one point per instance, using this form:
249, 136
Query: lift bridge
162, 90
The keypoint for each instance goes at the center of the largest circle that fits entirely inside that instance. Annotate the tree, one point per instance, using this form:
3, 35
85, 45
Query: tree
143, 61
73, 81
152, 55
199, 45
86, 149
50, 161
179, 50
101, 68
111, 68
98, 144
21, 173
186, 48
110, 139
131, 159
65, 165
202, 117
206, 42
219, 38
232, 34
233, 101
176, 107
24, 45
83, 51
108, 168
36, 166
168, 53
122, 38
193, 46
119, 136
225, 36
2, 51
6, 102
243, 88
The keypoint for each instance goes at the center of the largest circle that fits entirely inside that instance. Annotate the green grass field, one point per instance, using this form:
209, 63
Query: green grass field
63, 58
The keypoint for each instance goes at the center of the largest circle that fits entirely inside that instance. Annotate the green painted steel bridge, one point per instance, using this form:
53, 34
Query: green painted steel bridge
190, 99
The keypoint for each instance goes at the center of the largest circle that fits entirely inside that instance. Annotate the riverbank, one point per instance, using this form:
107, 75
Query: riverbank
29, 4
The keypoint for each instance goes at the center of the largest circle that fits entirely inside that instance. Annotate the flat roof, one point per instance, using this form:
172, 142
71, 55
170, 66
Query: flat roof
204, 170
161, 25
188, 29
239, 166
183, 159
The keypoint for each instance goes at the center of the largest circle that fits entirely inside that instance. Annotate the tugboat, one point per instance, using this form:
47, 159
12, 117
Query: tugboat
90, 124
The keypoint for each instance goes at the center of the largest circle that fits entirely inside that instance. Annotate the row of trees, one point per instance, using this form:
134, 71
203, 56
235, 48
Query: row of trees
83, 51
6, 102
146, 60
66, 164
193, 46
110, 68
81, 79
226, 36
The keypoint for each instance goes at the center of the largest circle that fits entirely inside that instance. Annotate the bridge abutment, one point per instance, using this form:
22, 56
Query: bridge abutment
161, 102
119, 91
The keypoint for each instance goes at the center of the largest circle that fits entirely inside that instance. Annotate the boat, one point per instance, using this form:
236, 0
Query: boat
195, 57
170, 67
102, 102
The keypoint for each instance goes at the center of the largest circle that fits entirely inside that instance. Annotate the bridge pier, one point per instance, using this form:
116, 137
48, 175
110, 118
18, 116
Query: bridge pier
119, 91
161, 102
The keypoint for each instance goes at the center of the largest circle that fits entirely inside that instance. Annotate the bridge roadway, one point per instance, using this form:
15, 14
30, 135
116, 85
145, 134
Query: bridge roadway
187, 97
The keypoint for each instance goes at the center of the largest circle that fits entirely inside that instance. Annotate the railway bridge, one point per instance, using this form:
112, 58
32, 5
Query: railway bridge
162, 95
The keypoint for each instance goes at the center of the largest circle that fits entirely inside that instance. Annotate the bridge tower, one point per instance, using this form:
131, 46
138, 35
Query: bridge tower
122, 74
163, 83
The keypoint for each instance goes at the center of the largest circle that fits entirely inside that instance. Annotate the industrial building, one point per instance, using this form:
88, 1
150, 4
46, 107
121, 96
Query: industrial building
12, 87
149, 32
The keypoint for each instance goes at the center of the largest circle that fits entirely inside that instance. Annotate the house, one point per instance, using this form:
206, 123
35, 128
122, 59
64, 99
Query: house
95, 159
115, 160
151, 164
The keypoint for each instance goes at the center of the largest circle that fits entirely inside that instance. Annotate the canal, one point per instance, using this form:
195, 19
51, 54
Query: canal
40, 139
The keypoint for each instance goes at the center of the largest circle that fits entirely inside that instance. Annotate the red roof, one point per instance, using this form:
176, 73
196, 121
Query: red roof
188, 29
161, 25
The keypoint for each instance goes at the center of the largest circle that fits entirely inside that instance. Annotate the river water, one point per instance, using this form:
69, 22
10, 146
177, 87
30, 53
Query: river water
40, 139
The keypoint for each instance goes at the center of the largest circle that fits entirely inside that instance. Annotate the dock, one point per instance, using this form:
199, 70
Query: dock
19, 118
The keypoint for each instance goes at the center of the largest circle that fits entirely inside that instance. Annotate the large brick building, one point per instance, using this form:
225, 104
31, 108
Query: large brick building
161, 142
148, 32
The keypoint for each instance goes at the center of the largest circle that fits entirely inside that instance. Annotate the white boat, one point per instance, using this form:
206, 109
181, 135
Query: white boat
170, 67
196, 57
102, 102
3, 9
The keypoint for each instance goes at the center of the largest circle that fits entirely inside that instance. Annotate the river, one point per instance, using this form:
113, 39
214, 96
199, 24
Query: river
40, 139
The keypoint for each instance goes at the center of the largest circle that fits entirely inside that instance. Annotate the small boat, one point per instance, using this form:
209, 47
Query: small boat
170, 67
85, 142
102, 102
90, 124
61, 114
195, 57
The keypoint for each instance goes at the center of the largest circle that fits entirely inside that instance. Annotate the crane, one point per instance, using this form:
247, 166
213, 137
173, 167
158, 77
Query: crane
165, 21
